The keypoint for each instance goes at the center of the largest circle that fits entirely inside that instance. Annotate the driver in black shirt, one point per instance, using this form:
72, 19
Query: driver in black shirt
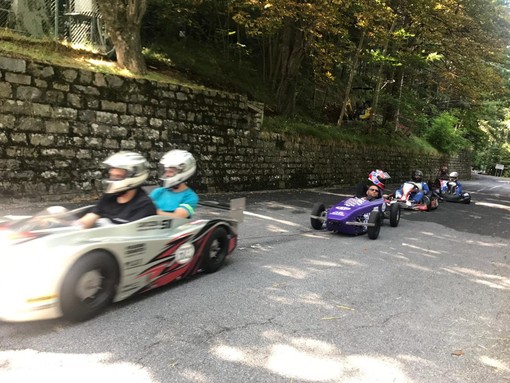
123, 199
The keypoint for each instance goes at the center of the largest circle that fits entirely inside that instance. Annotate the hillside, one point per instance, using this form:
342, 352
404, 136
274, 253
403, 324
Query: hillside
204, 70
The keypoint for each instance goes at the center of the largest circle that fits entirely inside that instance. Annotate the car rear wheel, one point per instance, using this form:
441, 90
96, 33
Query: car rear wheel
215, 250
89, 286
317, 219
375, 224
394, 214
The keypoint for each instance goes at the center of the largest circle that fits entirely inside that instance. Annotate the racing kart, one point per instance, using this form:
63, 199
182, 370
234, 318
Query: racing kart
50, 268
449, 192
355, 216
427, 203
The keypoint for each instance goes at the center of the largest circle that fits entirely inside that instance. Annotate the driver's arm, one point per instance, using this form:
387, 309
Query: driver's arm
88, 220
177, 213
185, 209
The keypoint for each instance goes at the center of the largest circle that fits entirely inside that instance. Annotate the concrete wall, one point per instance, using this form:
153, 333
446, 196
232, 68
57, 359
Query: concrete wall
57, 125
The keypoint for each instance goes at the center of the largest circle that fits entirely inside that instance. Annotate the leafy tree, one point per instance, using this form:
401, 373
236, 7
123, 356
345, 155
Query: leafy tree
420, 58
292, 31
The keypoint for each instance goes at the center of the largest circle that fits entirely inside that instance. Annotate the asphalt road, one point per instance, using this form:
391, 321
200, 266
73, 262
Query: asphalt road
425, 302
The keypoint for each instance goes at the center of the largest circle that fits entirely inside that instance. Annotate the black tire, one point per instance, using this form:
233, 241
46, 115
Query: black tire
427, 202
215, 250
394, 214
80, 298
375, 218
317, 210
434, 203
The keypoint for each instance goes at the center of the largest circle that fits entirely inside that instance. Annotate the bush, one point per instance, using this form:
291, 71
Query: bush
443, 135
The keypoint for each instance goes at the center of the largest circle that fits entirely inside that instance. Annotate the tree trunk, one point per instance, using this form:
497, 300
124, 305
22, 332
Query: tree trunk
351, 78
123, 19
378, 87
397, 114
290, 56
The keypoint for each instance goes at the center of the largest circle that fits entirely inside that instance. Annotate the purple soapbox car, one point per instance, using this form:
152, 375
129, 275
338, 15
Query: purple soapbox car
355, 216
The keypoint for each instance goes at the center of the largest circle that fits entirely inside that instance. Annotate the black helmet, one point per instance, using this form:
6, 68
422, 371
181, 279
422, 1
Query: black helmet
417, 176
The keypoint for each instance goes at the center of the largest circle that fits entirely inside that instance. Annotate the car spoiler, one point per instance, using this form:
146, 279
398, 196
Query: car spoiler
236, 207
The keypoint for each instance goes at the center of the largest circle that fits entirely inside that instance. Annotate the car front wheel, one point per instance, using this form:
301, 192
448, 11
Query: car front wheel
375, 224
89, 286
317, 219
394, 214
427, 202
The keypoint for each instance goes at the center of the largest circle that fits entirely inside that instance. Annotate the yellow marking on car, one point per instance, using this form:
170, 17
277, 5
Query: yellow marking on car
41, 299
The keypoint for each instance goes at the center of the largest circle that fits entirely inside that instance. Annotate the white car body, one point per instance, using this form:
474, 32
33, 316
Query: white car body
149, 253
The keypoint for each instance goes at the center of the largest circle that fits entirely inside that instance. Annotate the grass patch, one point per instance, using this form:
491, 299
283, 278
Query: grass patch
354, 134
52, 52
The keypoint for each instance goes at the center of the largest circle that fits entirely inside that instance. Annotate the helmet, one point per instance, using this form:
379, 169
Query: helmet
137, 171
417, 176
454, 176
378, 177
182, 161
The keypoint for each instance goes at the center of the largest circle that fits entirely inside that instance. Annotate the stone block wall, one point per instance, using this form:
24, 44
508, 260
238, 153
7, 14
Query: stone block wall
57, 124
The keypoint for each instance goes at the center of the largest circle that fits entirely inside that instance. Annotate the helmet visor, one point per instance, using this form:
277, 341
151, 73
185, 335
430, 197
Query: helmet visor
168, 171
384, 176
116, 174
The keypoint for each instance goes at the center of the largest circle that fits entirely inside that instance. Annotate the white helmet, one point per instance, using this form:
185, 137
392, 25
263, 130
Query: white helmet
137, 171
454, 176
182, 161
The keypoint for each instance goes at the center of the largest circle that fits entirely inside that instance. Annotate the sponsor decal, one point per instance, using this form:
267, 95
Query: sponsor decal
340, 213
133, 263
184, 253
354, 201
151, 225
132, 250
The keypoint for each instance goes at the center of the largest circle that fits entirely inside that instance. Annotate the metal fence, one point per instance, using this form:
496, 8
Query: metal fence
75, 21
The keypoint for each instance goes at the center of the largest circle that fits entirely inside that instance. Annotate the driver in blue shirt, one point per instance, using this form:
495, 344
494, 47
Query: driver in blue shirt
453, 186
422, 188
175, 198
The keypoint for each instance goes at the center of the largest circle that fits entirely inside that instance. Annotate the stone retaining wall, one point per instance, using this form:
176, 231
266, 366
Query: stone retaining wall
57, 124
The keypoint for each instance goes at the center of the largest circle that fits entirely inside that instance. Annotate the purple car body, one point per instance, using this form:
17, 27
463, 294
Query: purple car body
355, 216
351, 210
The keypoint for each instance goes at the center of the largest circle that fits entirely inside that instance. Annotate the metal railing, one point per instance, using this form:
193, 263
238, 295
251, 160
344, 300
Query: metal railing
77, 22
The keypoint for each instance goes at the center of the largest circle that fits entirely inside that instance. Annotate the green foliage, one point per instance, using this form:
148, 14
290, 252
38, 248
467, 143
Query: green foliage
212, 67
354, 134
443, 135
